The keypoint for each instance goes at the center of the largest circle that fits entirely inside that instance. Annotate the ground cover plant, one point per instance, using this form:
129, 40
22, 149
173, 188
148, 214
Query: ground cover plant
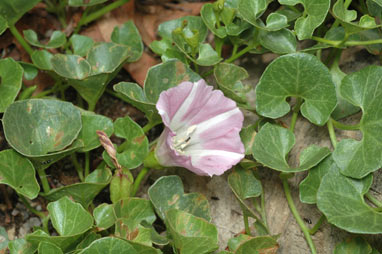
196, 104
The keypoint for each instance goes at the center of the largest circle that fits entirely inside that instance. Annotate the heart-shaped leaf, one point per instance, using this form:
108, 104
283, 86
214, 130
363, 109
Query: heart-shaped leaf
104, 216
354, 245
300, 75
49, 248
273, 143
13, 10
362, 89
193, 231
258, 245
166, 75
65, 243
42, 59
133, 94
314, 14
252, 10
37, 127
128, 35
19, 173
109, 245
207, 55
81, 44
91, 123
70, 66
352, 213
210, 19
77, 3
244, 184
167, 192
84, 192
57, 39
11, 75
281, 42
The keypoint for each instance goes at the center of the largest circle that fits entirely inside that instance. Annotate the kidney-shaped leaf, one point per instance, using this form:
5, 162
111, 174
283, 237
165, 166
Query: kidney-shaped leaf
37, 127
57, 39
280, 42
244, 184
128, 35
166, 75
69, 218
11, 75
188, 230
354, 245
42, 59
300, 75
19, 173
272, 145
13, 10
167, 192
70, 66
104, 216
362, 89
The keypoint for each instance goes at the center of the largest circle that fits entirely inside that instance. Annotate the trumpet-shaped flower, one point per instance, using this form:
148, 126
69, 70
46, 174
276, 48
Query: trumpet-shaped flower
201, 129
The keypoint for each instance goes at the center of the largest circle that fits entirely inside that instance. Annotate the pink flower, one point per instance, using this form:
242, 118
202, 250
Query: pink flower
201, 129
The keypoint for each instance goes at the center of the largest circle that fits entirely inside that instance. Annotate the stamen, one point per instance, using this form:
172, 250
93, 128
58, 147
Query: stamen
180, 142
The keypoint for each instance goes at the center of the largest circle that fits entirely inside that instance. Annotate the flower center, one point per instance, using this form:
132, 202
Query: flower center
182, 139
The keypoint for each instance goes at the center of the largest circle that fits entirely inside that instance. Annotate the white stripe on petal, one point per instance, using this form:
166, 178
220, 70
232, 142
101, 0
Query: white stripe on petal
201, 153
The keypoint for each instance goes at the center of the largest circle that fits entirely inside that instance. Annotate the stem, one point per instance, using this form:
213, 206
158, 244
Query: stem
263, 211
372, 199
77, 166
239, 54
149, 126
317, 226
87, 163
44, 180
44, 218
342, 126
246, 224
296, 109
219, 45
138, 180
20, 39
91, 106
297, 216
347, 43
332, 134
206, 74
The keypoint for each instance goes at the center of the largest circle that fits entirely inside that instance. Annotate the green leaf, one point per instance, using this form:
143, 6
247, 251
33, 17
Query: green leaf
193, 23
128, 35
92, 88
258, 245
359, 158
70, 66
3, 239
19, 173
354, 245
281, 42
210, 19
37, 127
91, 123
57, 39
193, 231
21, 246
84, 192
347, 17
48, 248
314, 14
244, 184
276, 21
166, 75
65, 243
229, 77
13, 10
247, 136
133, 94
109, 245
81, 44
299, 75
351, 213
374, 7
42, 59
207, 55
121, 185
69, 218
272, 145
372, 34
104, 216
167, 193
30, 71
235, 242
11, 75
77, 3
89, 238
3, 25
252, 10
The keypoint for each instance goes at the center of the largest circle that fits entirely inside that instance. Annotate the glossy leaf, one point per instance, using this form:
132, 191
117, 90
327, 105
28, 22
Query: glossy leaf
356, 245
207, 55
30, 71
42, 59
229, 78
234, 243
109, 245
81, 44
84, 192
104, 216
166, 75
89, 238
244, 184
54, 124
65, 243
121, 185
133, 94
281, 42
19, 173
13, 10
21, 246
128, 35
299, 75
91, 123
272, 145
258, 245
210, 19
3, 25
165, 29
48, 248
78, 3
70, 66
352, 213
247, 135
57, 39
167, 193
359, 158
11, 75
69, 218
193, 231
252, 10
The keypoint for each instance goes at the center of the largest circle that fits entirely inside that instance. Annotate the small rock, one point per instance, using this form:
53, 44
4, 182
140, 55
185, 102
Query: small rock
28, 226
